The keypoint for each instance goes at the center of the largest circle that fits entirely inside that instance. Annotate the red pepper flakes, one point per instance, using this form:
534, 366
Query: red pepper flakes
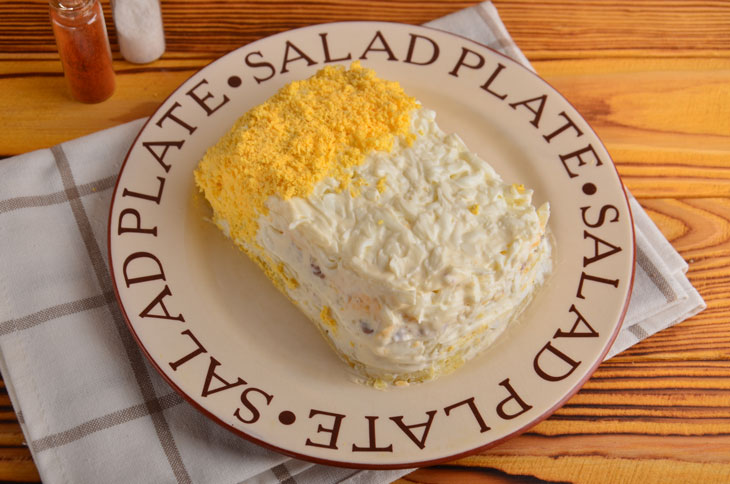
83, 46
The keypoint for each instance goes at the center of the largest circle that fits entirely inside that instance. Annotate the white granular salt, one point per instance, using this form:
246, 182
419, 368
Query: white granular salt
139, 29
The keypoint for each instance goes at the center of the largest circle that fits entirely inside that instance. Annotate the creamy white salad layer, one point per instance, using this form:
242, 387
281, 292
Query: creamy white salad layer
428, 262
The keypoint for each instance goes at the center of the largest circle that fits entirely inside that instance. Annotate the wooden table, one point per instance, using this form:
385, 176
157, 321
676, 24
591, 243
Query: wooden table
652, 77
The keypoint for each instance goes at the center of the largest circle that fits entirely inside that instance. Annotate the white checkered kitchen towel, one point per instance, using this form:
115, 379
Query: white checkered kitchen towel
92, 409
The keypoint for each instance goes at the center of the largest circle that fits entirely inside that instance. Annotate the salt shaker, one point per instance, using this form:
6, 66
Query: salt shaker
139, 29
83, 45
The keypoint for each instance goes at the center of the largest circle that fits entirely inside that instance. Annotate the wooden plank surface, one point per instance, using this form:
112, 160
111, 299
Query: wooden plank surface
651, 76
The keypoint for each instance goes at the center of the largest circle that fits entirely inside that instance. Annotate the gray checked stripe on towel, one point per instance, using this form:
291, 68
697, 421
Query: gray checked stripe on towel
91, 407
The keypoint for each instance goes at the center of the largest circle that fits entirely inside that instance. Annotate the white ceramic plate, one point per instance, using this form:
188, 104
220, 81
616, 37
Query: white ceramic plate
223, 336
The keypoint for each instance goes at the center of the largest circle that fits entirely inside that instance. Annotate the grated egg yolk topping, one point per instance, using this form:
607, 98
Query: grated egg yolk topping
310, 130
327, 318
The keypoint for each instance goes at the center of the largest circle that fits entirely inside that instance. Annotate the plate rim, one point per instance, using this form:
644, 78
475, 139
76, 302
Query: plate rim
353, 465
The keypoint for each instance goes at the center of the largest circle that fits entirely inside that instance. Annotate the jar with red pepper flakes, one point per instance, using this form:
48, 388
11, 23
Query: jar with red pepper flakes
83, 46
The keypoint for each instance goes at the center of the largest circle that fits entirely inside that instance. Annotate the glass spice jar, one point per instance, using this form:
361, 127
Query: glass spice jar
83, 46
139, 29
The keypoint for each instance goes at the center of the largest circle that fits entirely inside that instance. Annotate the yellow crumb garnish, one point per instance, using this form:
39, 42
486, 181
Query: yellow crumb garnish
326, 316
355, 183
311, 129
519, 187
381, 184
380, 222
474, 209
290, 281
379, 384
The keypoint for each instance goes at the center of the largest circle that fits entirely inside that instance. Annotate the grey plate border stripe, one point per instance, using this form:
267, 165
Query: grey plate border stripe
639, 332
133, 352
54, 312
55, 198
351, 477
503, 44
104, 422
655, 275
282, 474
